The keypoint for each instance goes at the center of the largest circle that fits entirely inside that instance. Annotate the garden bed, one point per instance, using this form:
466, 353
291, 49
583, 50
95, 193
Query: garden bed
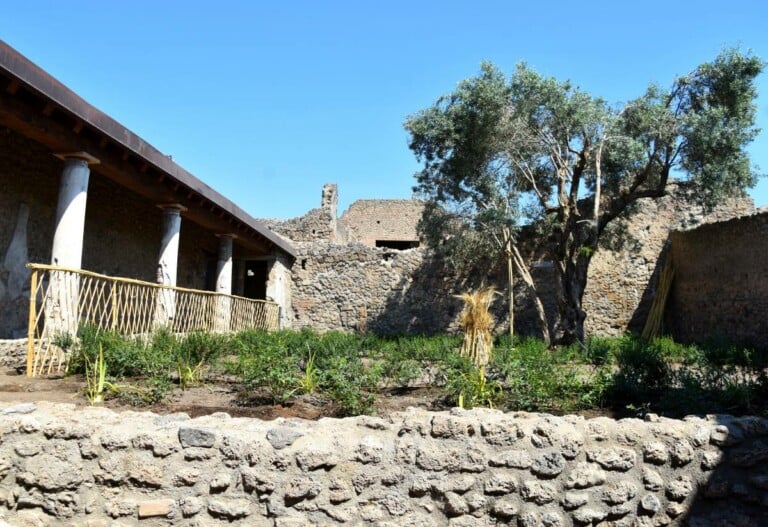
307, 375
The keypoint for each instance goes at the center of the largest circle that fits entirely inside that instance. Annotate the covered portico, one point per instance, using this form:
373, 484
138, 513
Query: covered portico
80, 191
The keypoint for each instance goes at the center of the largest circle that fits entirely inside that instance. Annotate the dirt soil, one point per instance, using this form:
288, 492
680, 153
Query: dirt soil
206, 399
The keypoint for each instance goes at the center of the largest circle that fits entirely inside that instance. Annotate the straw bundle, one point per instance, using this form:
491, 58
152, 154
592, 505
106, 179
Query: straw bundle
655, 320
476, 322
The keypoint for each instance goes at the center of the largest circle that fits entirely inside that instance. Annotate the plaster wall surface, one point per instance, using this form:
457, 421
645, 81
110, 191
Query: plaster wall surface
415, 468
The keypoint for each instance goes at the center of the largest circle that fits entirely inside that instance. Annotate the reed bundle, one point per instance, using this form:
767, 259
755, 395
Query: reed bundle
476, 321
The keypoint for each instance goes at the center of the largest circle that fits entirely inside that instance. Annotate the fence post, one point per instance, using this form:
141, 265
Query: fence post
113, 298
32, 322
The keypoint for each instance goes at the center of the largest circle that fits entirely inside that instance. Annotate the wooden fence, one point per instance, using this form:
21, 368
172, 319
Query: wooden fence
61, 300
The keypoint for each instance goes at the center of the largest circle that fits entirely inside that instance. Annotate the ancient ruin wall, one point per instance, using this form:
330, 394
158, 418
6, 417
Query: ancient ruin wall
369, 220
352, 286
720, 288
622, 274
480, 468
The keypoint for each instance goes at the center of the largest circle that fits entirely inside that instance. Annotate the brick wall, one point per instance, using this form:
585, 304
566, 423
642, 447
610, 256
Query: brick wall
369, 220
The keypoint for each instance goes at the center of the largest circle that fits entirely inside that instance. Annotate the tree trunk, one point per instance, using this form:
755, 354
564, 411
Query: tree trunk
572, 281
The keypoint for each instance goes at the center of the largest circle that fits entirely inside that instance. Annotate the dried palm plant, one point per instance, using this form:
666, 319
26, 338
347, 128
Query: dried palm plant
477, 322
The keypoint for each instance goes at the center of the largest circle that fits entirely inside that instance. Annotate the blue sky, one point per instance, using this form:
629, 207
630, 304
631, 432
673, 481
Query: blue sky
268, 100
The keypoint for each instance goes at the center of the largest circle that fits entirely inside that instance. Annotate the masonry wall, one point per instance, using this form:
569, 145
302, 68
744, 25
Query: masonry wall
353, 286
623, 273
122, 231
369, 220
720, 289
478, 468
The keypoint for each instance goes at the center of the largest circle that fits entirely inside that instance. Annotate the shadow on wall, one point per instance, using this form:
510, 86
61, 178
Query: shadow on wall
425, 302
733, 486
422, 302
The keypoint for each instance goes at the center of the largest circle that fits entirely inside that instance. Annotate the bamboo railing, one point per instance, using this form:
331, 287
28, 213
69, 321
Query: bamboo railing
61, 300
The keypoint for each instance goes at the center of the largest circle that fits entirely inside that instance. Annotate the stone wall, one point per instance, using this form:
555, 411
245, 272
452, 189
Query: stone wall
351, 286
94, 467
370, 220
622, 275
720, 290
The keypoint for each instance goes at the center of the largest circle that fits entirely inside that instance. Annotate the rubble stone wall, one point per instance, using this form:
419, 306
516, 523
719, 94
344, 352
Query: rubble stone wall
720, 288
94, 467
623, 273
353, 286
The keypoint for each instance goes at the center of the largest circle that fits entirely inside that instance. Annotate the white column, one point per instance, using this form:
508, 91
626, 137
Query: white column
224, 265
67, 248
224, 283
61, 308
167, 263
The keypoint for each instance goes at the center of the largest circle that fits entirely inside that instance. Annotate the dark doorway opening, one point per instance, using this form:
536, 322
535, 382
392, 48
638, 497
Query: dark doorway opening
255, 283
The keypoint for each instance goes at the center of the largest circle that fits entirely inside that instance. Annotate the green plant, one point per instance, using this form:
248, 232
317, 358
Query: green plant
309, 381
475, 389
95, 378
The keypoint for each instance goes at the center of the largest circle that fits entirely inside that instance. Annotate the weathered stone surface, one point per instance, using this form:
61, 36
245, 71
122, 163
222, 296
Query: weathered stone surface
196, 437
652, 480
190, 506
505, 508
618, 493
502, 433
548, 465
500, 483
680, 488
438, 472
620, 459
512, 459
650, 503
655, 452
585, 475
230, 509
51, 474
280, 438
538, 492
682, 453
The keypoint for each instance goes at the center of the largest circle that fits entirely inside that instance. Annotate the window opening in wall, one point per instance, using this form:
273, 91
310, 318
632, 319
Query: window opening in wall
255, 283
304, 264
400, 245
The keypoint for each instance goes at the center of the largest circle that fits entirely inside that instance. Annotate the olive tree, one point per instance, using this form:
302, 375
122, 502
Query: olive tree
501, 152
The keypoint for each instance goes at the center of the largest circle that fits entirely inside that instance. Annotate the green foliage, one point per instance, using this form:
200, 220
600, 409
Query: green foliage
500, 151
95, 377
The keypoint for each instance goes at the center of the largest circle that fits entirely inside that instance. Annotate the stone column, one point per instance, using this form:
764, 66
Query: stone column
67, 249
224, 283
167, 264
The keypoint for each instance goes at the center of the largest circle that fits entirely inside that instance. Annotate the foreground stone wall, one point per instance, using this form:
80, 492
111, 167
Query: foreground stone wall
480, 468
720, 288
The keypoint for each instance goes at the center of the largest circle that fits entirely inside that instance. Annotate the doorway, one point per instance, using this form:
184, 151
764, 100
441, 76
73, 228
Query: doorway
255, 282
